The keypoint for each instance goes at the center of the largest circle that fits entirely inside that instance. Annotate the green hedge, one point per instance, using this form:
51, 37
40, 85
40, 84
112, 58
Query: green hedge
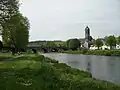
96, 52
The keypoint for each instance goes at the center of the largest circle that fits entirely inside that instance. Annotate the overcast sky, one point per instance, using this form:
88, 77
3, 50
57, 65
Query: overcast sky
64, 19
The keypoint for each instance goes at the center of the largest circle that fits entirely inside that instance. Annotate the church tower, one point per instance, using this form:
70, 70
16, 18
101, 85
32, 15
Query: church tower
88, 38
87, 34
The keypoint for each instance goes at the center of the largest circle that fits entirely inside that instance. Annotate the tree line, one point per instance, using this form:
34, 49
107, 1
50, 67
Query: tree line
14, 27
110, 41
76, 44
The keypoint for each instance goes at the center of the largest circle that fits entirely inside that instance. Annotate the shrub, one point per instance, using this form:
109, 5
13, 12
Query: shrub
84, 51
107, 53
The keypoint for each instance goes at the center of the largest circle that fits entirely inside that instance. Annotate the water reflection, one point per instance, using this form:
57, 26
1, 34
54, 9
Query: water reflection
101, 67
88, 64
114, 70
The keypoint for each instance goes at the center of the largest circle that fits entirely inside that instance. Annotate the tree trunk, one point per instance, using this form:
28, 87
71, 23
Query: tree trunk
110, 47
98, 48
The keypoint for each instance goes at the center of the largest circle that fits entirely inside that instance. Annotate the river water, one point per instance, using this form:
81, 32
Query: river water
101, 67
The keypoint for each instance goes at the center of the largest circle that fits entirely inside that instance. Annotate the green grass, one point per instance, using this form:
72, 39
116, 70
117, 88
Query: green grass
4, 56
36, 72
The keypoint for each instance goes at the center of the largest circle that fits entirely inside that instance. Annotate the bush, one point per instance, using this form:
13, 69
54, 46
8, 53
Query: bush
84, 51
107, 53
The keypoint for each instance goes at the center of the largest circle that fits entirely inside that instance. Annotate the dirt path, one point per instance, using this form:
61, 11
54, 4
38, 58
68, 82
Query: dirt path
11, 59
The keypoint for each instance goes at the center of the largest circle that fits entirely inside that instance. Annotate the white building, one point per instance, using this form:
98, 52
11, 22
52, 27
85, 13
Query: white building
93, 47
117, 46
104, 47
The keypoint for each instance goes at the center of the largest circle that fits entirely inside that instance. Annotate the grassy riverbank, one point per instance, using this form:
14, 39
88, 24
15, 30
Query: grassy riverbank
96, 52
4, 56
36, 72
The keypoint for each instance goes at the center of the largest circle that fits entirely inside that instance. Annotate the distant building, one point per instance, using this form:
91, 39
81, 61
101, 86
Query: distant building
88, 38
117, 46
87, 34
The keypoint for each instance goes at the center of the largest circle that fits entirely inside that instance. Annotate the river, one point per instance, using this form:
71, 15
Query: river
101, 67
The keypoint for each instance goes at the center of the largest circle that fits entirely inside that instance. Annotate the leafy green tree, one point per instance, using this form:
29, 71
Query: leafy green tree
111, 41
22, 33
67, 43
73, 44
118, 40
8, 8
51, 44
98, 43
16, 32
